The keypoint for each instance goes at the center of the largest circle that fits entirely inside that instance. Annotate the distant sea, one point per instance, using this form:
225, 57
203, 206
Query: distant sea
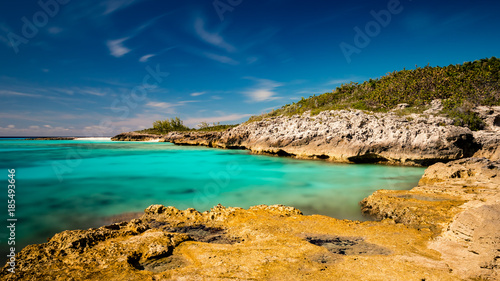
78, 184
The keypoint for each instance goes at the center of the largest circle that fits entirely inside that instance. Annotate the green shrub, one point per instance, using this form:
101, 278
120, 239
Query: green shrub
169, 125
470, 84
206, 127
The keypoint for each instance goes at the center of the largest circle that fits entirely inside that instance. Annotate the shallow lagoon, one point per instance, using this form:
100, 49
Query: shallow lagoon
75, 184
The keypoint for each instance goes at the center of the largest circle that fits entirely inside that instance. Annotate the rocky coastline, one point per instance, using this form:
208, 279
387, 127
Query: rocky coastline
353, 136
446, 228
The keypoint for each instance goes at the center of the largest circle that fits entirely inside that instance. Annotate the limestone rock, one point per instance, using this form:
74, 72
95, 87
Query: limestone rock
459, 202
261, 243
133, 136
346, 136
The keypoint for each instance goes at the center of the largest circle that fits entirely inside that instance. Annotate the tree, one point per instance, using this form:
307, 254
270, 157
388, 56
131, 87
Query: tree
169, 125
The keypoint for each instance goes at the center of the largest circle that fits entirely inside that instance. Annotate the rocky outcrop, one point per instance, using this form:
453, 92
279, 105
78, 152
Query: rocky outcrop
489, 143
459, 203
490, 116
194, 138
261, 243
347, 136
134, 136
354, 136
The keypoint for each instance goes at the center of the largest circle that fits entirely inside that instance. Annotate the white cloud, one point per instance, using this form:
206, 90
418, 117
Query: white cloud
221, 59
14, 93
145, 58
211, 38
261, 95
92, 91
113, 5
163, 105
116, 47
167, 105
37, 131
197, 94
263, 91
11, 126
47, 126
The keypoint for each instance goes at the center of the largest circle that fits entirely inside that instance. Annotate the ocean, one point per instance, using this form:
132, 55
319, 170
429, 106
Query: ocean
78, 184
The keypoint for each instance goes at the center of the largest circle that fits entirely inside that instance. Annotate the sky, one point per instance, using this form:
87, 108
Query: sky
98, 68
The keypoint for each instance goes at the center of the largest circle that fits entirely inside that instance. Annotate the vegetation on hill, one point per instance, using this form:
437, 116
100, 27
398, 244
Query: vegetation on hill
204, 126
176, 124
461, 87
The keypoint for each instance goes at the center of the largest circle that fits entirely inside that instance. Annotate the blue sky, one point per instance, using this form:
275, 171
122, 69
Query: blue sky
103, 67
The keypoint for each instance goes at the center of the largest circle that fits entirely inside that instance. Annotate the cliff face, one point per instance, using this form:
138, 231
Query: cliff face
355, 136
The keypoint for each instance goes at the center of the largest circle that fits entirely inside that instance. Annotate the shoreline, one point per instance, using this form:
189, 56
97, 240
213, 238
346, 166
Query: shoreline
445, 228
423, 233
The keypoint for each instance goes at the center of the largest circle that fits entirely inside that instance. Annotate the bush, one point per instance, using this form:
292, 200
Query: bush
169, 125
206, 127
467, 85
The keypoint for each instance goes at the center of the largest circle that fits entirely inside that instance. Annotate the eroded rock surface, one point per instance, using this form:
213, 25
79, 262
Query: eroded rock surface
459, 203
355, 136
349, 136
133, 136
261, 243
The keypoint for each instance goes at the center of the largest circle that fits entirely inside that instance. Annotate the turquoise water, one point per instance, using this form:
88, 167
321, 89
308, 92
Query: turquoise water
74, 184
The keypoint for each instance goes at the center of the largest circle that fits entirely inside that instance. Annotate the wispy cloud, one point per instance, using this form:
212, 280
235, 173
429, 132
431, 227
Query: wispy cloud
197, 94
114, 5
145, 58
116, 47
221, 59
167, 107
93, 91
19, 94
161, 105
12, 130
263, 91
211, 38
